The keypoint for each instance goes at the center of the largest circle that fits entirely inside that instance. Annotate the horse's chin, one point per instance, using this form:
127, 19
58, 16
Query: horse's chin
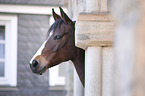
40, 71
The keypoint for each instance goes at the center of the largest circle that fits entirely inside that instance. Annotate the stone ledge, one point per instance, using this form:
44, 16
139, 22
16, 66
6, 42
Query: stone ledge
95, 17
7, 89
94, 30
60, 88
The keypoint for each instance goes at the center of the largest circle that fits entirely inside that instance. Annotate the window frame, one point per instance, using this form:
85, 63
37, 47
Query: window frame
10, 74
55, 79
26, 9
3, 59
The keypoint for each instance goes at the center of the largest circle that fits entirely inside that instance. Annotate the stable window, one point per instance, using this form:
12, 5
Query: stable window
2, 50
8, 50
57, 75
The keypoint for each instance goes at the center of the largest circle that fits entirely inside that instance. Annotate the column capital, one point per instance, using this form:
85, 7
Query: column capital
94, 29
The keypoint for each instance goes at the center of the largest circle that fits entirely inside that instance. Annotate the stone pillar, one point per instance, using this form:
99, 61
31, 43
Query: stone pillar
129, 47
78, 87
93, 71
140, 50
126, 14
107, 71
94, 33
92, 5
97, 6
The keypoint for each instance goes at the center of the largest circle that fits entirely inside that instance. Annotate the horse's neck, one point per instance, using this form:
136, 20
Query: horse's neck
79, 64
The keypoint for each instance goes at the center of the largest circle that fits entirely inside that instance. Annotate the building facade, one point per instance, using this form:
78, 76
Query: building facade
112, 34
110, 31
23, 28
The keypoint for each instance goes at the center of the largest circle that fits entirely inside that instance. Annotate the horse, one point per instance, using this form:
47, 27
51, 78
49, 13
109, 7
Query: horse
59, 47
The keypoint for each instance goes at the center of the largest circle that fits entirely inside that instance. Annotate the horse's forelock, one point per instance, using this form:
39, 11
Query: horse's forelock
56, 24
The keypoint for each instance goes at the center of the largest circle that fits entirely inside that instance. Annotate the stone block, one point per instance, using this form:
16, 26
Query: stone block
94, 30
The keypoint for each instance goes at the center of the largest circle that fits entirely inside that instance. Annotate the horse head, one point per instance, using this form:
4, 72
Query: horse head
59, 46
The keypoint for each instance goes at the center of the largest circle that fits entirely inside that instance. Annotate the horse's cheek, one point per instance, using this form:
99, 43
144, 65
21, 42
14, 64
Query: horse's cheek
51, 46
55, 49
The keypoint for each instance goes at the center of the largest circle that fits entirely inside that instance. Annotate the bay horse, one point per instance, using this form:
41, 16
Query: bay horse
59, 47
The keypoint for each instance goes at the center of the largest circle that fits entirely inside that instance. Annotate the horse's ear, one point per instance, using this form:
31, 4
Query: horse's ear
65, 18
55, 16
74, 22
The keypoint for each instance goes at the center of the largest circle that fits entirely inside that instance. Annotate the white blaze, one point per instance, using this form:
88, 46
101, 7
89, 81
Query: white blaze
41, 48
38, 52
50, 34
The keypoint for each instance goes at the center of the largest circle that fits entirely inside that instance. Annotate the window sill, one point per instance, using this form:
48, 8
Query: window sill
8, 88
60, 88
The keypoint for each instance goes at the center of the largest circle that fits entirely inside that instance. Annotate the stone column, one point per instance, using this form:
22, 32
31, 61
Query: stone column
124, 42
129, 47
93, 33
97, 5
107, 71
140, 48
93, 71
93, 5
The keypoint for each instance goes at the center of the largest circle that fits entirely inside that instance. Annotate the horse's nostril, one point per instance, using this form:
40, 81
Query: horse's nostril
35, 63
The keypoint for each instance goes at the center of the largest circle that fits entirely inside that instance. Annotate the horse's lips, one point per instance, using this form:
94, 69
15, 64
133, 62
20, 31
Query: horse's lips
42, 71
38, 72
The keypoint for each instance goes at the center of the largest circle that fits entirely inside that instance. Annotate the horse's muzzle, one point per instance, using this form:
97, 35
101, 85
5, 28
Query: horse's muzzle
34, 66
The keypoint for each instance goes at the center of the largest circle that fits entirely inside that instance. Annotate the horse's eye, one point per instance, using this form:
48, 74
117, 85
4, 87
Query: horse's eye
57, 37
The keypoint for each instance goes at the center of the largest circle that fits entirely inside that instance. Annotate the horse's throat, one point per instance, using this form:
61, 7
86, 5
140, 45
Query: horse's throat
79, 64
